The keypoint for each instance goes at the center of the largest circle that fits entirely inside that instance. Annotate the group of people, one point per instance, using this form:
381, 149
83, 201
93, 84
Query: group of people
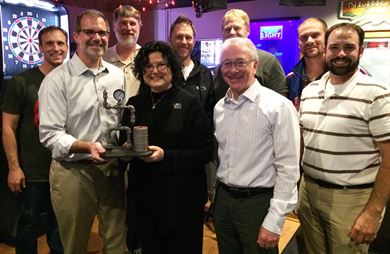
339, 136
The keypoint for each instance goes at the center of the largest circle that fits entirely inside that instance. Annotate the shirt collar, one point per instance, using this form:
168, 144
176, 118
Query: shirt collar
80, 67
350, 83
249, 94
113, 57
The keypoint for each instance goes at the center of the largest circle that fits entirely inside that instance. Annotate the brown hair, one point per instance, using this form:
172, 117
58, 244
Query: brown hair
346, 26
50, 29
91, 13
181, 19
127, 11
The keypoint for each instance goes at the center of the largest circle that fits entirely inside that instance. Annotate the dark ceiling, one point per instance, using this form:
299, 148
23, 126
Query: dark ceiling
109, 5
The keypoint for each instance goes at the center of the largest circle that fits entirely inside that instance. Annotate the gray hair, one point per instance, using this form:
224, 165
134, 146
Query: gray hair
243, 43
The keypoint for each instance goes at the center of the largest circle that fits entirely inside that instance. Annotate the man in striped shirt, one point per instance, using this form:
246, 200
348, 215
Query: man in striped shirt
345, 123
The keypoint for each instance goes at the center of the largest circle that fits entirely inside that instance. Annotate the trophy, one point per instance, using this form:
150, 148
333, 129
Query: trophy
140, 133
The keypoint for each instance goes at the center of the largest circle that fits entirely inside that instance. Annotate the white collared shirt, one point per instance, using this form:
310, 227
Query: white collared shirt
71, 106
258, 146
341, 125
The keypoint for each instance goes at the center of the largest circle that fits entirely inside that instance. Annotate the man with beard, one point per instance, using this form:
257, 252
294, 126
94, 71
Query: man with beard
311, 67
345, 122
28, 160
198, 79
73, 124
126, 25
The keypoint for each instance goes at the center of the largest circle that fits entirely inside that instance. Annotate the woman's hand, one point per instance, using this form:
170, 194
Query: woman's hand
157, 154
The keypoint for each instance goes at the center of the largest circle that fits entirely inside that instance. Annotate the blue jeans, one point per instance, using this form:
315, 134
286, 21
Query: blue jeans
35, 199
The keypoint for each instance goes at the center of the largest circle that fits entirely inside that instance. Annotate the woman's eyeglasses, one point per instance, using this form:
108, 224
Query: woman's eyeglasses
161, 67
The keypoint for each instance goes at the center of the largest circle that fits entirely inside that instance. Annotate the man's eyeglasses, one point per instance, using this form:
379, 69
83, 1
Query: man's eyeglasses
160, 67
227, 29
91, 32
239, 64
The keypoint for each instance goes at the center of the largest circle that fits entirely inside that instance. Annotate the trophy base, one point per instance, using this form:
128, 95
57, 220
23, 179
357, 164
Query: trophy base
122, 152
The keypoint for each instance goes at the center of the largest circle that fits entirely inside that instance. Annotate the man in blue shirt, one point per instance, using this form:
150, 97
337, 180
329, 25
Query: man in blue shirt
311, 34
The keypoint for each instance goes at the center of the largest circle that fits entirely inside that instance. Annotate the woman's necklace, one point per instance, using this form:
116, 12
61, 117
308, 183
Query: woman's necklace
155, 103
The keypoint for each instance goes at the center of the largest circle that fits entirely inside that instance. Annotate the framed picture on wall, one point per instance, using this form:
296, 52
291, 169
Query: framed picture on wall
376, 55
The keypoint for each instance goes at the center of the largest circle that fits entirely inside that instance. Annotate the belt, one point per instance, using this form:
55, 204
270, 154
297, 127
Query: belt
108, 168
328, 185
238, 192
86, 161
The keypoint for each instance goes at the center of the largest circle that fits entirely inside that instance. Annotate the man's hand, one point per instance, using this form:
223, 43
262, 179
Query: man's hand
95, 150
267, 239
367, 223
365, 227
16, 179
157, 154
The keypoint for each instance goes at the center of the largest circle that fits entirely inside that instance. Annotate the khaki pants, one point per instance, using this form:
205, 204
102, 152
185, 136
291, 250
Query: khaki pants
326, 216
80, 191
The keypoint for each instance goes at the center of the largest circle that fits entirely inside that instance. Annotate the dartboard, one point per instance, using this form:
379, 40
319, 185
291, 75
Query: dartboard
23, 39
20, 26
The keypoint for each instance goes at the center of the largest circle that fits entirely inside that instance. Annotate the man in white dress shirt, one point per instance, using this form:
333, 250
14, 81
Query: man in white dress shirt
73, 124
258, 137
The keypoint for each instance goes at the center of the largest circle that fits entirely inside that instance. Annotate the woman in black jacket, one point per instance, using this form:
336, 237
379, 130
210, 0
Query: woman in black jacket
168, 188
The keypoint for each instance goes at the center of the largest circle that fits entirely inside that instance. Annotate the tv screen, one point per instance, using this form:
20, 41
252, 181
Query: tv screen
279, 37
208, 51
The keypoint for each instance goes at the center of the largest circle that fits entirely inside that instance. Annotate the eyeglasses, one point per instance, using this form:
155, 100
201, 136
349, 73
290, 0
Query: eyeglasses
227, 29
91, 32
239, 64
161, 67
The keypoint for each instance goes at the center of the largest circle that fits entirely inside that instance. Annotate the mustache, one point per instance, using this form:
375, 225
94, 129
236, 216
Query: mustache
94, 44
347, 59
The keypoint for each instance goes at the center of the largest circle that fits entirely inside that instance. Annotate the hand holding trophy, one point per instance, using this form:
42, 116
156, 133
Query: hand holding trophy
140, 133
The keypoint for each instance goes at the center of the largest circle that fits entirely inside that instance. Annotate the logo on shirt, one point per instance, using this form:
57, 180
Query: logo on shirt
201, 88
177, 105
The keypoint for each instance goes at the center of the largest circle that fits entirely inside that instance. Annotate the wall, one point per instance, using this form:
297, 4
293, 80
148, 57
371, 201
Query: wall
156, 23
74, 11
209, 25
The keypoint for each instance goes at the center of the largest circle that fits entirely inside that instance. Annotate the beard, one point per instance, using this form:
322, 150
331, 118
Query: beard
342, 70
128, 40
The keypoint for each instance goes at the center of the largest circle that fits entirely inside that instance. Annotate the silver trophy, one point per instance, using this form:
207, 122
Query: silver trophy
140, 137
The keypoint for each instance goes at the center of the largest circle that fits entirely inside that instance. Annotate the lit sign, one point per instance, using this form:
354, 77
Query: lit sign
271, 32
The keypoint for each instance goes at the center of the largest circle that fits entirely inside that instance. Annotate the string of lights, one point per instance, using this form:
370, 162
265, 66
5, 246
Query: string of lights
155, 4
